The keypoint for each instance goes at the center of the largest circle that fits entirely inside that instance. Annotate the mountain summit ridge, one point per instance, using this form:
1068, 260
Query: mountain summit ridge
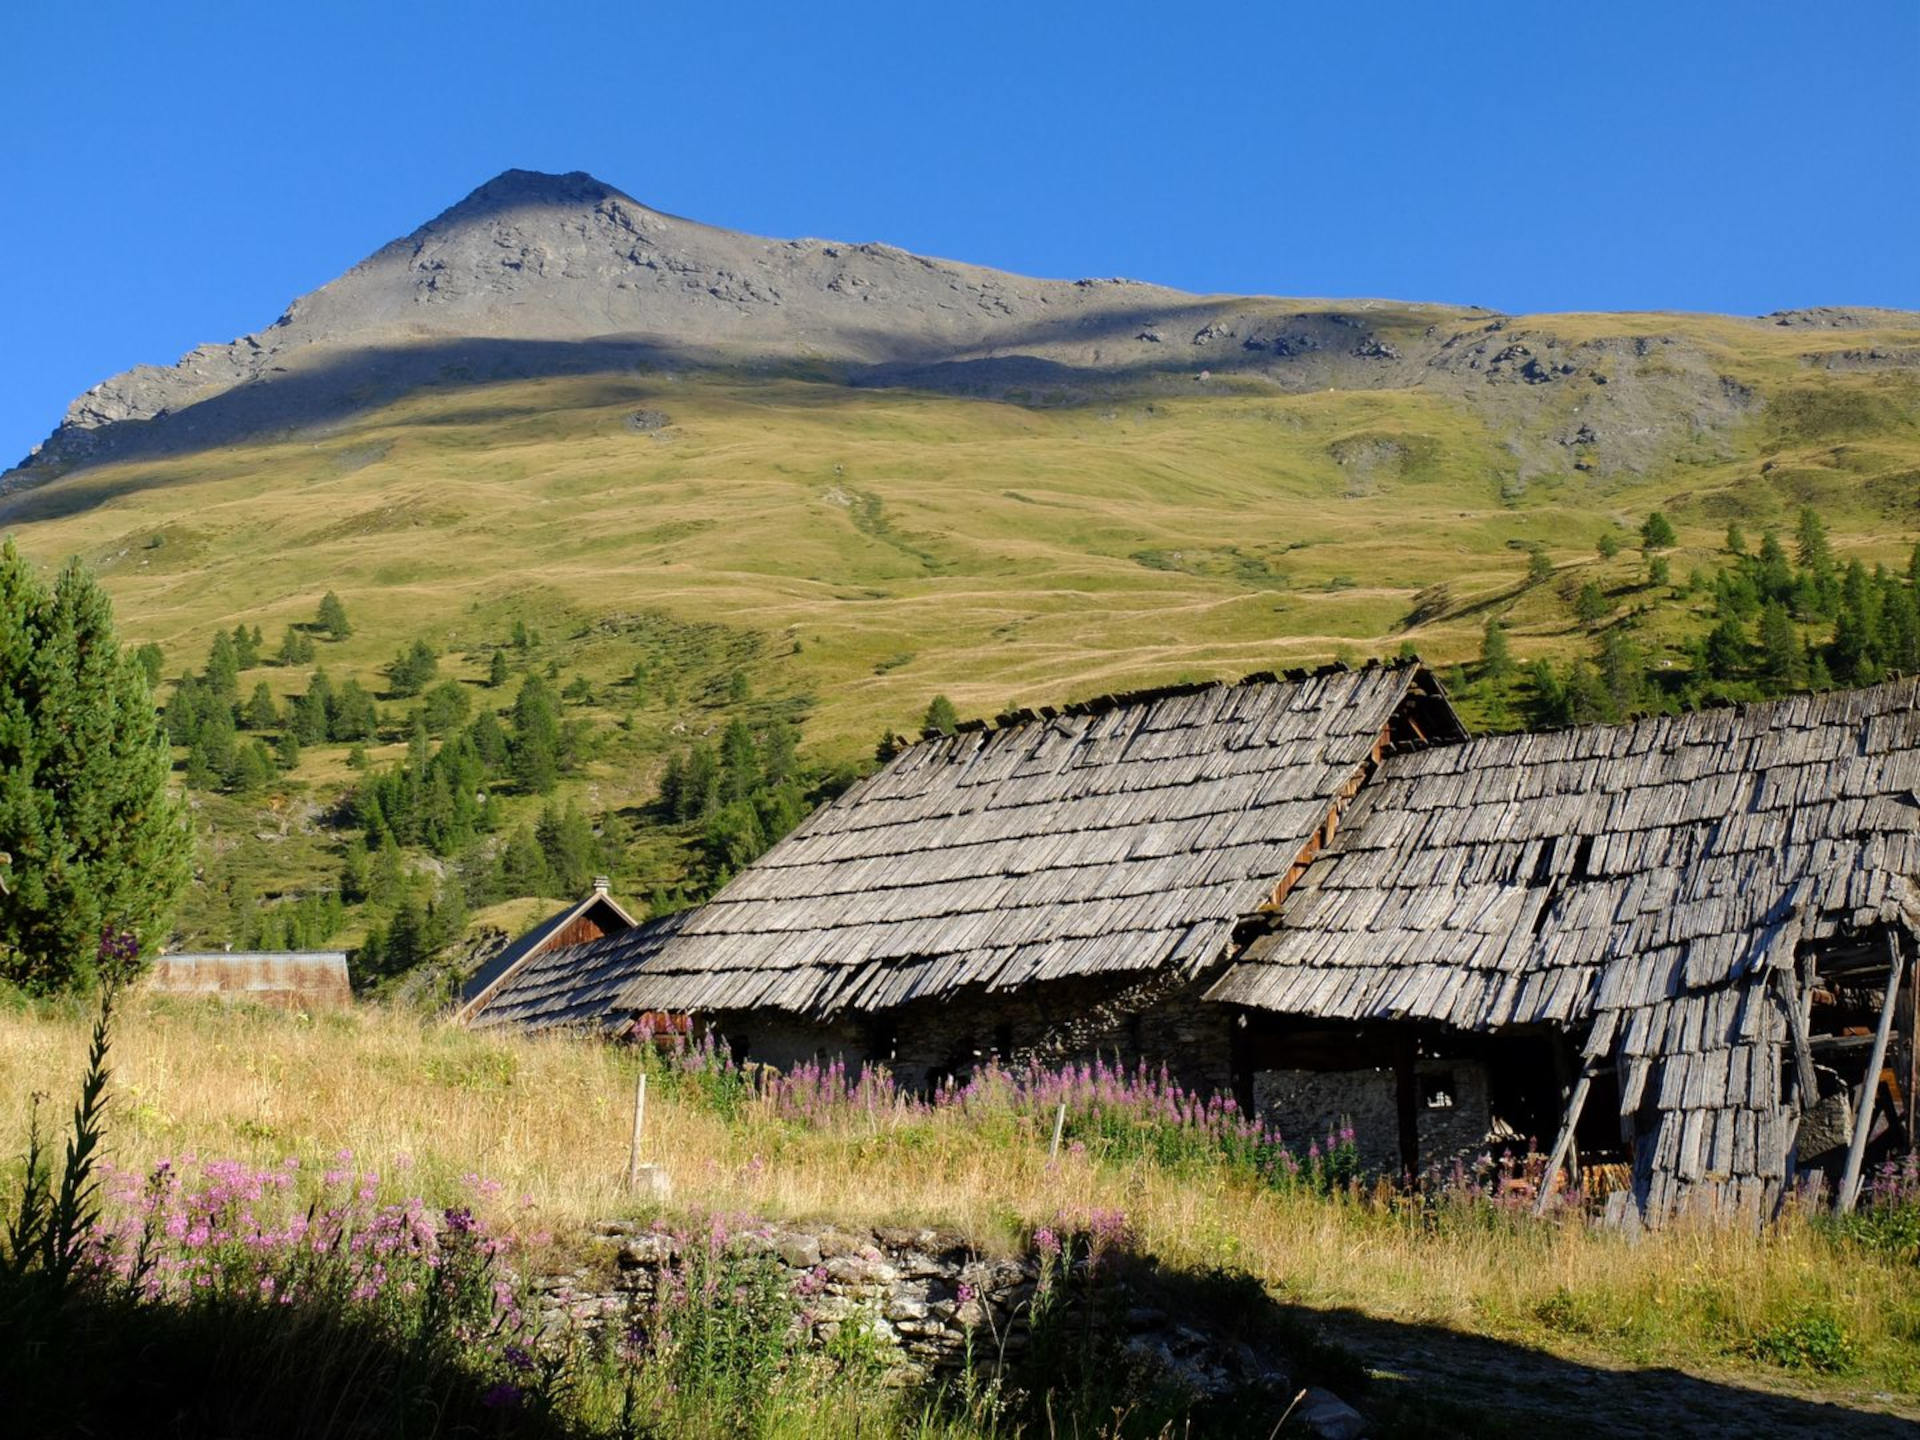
536, 273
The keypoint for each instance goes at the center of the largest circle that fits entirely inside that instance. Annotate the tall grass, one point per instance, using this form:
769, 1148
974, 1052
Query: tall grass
533, 1135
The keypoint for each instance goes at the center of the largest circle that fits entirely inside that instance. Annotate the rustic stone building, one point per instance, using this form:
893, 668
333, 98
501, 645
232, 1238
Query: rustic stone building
1052, 887
1680, 944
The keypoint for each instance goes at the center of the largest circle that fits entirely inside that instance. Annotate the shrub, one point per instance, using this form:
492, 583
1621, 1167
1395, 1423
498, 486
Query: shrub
1808, 1339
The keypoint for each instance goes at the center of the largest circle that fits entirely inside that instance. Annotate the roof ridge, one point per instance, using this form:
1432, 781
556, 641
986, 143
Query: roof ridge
1122, 699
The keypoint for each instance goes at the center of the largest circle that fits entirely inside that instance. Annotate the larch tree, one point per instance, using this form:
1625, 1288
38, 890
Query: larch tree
98, 843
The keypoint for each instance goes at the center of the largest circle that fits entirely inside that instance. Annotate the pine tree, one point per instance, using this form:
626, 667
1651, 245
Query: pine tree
1726, 652
296, 647
523, 865
497, 670
246, 647
1736, 538
97, 843
1657, 533
1608, 545
1813, 552
1590, 604
1782, 661
941, 716
309, 719
445, 706
535, 747
223, 667
332, 617
261, 712
1496, 656
566, 841
286, 750
151, 661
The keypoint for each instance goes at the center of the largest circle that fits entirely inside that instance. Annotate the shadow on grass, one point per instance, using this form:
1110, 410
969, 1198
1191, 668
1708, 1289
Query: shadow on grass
1420, 1382
110, 1368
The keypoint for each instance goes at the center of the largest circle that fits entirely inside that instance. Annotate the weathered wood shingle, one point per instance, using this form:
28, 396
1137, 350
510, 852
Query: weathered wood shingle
1641, 879
1100, 840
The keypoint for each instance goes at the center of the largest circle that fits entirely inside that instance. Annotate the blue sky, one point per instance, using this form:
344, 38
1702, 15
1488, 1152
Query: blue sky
175, 174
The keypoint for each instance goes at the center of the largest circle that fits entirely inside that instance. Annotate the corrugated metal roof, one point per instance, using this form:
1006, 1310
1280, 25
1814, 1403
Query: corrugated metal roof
307, 978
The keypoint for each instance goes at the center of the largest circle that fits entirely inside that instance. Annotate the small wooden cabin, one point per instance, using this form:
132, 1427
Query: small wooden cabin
1682, 945
595, 917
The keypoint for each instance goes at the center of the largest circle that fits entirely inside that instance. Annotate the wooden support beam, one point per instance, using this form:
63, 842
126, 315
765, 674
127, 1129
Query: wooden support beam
1551, 1180
1808, 1091
1406, 1093
1912, 1080
1849, 1192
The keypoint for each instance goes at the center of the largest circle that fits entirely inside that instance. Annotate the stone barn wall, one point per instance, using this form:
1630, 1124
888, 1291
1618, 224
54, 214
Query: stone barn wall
1452, 1113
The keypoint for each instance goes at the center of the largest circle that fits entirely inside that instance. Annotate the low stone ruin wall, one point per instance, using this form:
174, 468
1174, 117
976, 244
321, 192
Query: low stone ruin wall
924, 1294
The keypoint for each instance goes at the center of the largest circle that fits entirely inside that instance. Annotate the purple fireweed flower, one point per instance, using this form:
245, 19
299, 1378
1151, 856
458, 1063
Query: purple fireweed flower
503, 1396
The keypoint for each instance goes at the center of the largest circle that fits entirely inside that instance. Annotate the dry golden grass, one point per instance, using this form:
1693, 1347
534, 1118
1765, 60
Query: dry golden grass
548, 1120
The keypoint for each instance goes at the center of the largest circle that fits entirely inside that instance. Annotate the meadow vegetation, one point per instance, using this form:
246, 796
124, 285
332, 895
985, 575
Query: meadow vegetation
530, 1137
506, 590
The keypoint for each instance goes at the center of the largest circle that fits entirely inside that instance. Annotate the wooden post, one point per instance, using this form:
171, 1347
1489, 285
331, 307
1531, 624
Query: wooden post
1059, 1126
1913, 1061
1406, 1096
1565, 1075
1802, 1046
639, 1124
1550, 1180
1849, 1192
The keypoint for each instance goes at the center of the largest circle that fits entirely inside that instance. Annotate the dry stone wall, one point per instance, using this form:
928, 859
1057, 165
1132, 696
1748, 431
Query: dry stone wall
925, 1295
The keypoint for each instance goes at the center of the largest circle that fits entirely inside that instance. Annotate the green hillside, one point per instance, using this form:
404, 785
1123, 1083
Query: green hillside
786, 548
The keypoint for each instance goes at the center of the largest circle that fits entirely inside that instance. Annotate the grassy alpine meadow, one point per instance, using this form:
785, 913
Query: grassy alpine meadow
888, 545
531, 1137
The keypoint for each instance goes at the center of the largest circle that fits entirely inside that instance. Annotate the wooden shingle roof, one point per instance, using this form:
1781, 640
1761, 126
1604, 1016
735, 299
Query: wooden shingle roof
574, 987
1117, 838
1641, 878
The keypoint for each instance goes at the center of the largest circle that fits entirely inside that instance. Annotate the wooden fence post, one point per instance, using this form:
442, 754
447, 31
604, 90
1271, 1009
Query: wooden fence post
639, 1124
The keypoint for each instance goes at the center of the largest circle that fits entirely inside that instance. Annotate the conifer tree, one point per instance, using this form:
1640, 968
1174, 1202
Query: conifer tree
1813, 552
151, 659
941, 716
497, 670
1657, 533
1496, 656
535, 747
1782, 661
97, 842
262, 713
332, 617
